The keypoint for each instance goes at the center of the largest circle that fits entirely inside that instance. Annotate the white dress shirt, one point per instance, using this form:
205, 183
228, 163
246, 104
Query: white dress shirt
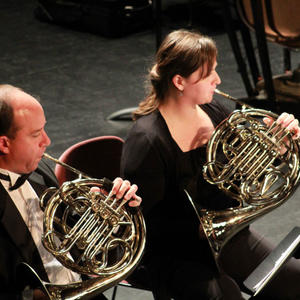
27, 203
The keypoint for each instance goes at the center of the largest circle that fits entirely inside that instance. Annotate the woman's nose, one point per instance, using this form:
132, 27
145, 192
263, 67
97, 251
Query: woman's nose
218, 79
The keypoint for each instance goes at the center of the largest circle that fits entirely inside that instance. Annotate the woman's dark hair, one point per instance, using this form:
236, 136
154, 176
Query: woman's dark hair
182, 52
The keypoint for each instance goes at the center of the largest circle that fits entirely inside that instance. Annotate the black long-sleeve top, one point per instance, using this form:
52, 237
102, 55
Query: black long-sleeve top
162, 171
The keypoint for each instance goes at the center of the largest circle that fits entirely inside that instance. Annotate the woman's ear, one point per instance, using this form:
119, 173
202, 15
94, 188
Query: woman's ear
4, 144
178, 82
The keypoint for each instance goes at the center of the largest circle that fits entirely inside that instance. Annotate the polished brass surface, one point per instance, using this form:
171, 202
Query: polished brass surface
105, 238
254, 164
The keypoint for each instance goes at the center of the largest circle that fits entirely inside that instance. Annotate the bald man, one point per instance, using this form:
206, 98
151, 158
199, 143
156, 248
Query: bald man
23, 141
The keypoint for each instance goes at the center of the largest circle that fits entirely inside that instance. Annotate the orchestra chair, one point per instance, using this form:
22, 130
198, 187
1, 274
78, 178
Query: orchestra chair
277, 22
271, 21
97, 157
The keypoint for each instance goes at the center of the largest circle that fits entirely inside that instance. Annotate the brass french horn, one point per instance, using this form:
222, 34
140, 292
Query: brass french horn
244, 158
105, 238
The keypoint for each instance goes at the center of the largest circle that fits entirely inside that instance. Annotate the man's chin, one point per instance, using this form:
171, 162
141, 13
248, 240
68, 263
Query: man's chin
34, 166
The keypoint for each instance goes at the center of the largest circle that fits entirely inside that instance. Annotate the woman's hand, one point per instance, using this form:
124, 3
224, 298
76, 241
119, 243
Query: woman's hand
287, 121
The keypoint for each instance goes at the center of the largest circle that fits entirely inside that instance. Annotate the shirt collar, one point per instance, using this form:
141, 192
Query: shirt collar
13, 176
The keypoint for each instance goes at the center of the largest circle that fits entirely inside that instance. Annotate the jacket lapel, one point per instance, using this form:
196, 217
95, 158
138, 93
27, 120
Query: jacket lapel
15, 225
20, 235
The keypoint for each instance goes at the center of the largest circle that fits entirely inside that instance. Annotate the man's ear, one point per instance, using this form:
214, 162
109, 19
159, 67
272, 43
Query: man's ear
4, 144
178, 82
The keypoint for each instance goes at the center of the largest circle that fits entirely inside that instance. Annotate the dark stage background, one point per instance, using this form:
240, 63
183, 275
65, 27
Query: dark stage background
81, 78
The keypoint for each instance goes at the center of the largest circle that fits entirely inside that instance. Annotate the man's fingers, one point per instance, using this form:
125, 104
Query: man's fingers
135, 202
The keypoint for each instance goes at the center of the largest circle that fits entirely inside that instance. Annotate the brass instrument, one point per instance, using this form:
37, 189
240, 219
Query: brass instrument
246, 161
106, 239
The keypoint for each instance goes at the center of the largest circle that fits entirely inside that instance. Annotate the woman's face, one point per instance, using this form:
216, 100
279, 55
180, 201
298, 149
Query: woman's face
201, 91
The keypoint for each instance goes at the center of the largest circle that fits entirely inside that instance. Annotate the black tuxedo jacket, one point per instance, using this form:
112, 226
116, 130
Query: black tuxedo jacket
16, 243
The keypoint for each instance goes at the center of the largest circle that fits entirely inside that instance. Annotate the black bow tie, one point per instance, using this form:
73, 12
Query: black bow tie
19, 181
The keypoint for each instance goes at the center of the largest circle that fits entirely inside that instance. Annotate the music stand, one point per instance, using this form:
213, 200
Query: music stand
270, 266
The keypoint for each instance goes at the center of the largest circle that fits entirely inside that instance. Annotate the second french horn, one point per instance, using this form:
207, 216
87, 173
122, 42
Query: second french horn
254, 164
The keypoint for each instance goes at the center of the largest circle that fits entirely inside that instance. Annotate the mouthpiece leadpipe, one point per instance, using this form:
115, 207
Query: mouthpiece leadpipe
232, 98
81, 174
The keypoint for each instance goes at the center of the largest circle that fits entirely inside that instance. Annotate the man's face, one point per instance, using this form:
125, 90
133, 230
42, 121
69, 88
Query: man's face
31, 140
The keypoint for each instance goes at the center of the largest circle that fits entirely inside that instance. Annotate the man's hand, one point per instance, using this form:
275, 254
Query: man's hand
123, 188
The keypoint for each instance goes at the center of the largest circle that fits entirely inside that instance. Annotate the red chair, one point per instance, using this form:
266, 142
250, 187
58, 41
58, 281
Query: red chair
97, 157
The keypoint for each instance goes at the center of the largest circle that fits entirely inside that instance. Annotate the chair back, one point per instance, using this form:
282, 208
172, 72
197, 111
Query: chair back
97, 157
281, 20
